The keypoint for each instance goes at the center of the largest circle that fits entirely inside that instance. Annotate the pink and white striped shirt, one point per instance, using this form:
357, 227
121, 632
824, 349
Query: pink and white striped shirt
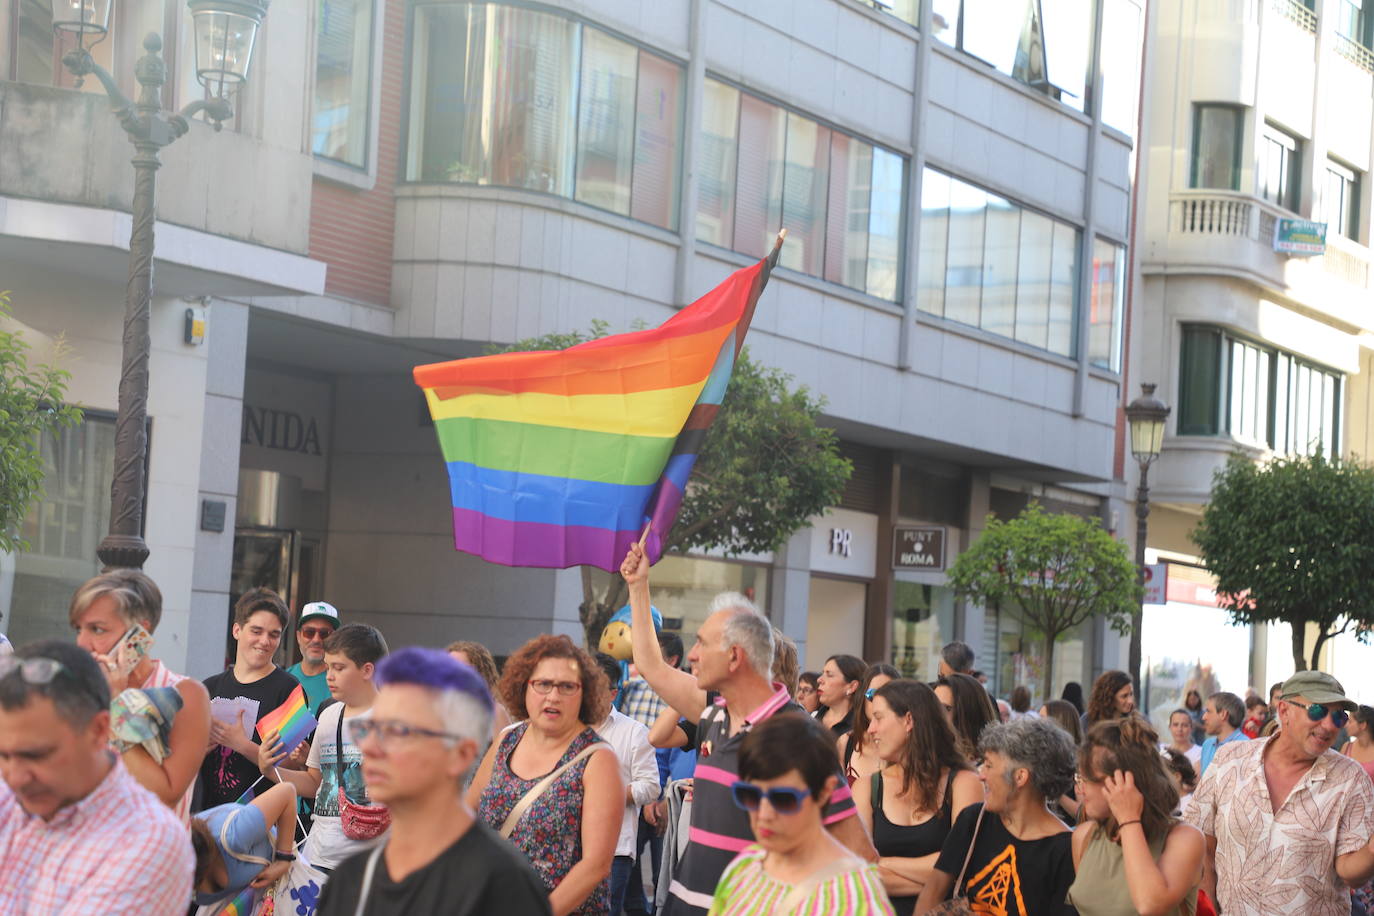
161, 677
118, 850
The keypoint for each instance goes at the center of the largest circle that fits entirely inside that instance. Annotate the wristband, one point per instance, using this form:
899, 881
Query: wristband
279, 856
1129, 823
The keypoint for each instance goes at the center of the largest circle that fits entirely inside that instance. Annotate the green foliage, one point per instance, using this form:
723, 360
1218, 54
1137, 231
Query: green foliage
1052, 571
1293, 541
765, 467
30, 407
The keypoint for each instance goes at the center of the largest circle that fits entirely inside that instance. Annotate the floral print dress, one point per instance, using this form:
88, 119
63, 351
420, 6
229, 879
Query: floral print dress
550, 833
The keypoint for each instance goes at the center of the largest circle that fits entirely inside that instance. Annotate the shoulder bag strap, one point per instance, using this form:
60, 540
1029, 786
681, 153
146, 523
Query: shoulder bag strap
224, 841
539, 788
973, 841
806, 886
367, 879
338, 754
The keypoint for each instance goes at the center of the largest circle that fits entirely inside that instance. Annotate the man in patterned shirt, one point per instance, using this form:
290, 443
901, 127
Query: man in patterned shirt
77, 833
1288, 821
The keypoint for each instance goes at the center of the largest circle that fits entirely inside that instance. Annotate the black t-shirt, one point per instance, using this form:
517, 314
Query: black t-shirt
226, 774
1008, 876
479, 874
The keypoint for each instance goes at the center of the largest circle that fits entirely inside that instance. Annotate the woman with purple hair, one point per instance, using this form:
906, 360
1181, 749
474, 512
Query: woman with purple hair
431, 716
549, 784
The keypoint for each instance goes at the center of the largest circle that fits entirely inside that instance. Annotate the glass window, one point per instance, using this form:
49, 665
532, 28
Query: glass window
1035, 252
1199, 382
805, 187
38, 50
1248, 407
605, 121
658, 152
1121, 44
1341, 200
964, 268
1000, 249
343, 81
1068, 39
1063, 282
1105, 304
885, 225
62, 529
1355, 21
758, 207
930, 273
1280, 162
716, 184
517, 97
922, 623
847, 213
1217, 143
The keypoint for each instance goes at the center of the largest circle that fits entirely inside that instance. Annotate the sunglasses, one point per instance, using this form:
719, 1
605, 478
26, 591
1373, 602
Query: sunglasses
1316, 712
783, 799
39, 671
870, 693
316, 632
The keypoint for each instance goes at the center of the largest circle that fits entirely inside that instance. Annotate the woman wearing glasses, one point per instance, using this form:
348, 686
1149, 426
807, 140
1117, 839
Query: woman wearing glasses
787, 773
924, 785
1131, 854
568, 825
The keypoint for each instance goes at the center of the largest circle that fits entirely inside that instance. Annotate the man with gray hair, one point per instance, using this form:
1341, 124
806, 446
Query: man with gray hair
77, 833
733, 656
956, 658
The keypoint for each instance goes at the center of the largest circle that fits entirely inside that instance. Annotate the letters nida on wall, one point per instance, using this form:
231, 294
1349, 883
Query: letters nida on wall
285, 426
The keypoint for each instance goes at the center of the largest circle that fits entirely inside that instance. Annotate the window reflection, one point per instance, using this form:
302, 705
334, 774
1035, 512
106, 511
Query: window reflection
1105, 304
605, 121
343, 81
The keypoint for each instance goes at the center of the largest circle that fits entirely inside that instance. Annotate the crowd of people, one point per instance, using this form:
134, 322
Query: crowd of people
720, 781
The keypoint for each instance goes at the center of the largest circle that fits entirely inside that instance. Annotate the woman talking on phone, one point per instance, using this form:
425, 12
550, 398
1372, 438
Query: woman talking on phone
114, 616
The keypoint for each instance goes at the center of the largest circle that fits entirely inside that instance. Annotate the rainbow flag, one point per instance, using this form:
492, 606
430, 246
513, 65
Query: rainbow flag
242, 904
559, 458
292, 719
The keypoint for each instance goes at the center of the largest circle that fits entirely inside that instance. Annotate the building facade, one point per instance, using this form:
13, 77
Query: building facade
1259, 125
954, 284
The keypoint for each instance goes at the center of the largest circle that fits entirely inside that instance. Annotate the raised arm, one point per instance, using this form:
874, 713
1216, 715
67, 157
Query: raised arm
675, 687
1156, 887
665, 732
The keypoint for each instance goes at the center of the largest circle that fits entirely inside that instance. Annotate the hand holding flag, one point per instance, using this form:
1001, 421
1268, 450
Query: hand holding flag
291, 719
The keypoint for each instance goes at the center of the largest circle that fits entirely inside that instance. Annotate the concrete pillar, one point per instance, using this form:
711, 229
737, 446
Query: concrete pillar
791, 591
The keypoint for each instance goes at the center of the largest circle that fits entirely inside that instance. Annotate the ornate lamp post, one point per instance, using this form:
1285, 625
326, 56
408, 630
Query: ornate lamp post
224, 34
1146, 416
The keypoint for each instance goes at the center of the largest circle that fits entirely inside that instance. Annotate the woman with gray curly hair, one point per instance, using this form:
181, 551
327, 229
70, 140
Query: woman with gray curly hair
1010, 854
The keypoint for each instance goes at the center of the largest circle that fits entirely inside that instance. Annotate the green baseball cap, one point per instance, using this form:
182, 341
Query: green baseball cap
1317, 687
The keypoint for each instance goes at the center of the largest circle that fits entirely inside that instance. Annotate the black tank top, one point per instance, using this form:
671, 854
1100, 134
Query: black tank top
910, 842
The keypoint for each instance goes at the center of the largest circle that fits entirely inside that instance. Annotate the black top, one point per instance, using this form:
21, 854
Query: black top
1007, 875
226, 774
480, 874
914, 841
842, 727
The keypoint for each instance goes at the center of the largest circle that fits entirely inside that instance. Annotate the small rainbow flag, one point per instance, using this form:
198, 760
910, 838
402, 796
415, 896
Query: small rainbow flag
242, 904
558, 458
292, 719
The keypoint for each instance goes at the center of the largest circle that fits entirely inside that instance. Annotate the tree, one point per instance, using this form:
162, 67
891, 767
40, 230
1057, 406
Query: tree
765, 467
1053, 572
1293, 541
30, 407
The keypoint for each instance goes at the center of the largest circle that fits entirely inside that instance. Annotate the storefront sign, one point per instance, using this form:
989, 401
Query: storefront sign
1299, 236
284, 426
844, 542
840, 541
918, 547
1156, 582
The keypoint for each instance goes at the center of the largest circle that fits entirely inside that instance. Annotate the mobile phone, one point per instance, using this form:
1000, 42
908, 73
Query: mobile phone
135, 642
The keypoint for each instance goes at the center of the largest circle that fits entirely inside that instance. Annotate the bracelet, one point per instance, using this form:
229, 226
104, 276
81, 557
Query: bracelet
279, 856
1129, 823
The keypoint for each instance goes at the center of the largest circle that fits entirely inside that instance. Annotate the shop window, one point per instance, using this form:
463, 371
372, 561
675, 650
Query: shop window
1217, 144
1019, 657
340, 130
1279, 167
62, 529
922, 623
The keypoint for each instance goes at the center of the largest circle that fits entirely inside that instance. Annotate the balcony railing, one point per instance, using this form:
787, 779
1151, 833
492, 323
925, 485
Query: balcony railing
1355, 52
1298, 13
1211, 215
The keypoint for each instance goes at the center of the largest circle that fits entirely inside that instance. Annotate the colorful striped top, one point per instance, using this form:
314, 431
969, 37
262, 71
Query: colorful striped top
162, 677
746, 890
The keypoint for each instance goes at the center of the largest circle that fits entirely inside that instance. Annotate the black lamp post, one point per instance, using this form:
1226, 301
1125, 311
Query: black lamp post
224, 34
1146, 416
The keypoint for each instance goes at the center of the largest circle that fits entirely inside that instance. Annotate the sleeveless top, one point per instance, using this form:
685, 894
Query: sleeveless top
244, 842
911, 841
550, 833
1100, 887
161, 677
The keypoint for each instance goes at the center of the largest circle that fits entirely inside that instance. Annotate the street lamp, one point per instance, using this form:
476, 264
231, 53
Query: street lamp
224, 34
1146, 416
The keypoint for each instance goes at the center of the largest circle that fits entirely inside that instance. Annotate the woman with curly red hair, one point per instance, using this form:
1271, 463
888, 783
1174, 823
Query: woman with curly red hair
551, 785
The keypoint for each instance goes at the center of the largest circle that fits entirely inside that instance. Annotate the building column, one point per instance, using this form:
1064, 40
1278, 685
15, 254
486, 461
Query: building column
790, 592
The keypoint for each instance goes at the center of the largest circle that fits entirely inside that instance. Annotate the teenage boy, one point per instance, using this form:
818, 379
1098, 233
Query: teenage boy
231, 760
350, 658
317, 622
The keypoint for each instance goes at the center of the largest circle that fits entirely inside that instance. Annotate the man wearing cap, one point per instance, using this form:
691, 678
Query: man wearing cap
1288, 820
318, 622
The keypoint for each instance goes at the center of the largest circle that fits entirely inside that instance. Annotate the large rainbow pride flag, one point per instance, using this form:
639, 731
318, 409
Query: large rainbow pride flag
560, 458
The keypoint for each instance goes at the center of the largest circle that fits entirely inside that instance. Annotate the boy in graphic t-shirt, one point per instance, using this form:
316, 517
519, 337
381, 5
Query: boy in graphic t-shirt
350, 656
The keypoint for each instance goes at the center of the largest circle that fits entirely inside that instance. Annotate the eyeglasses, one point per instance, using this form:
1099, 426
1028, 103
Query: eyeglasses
565, 688
39, 671
316, 632
388, 730
1316, 712
804, 689
784, 800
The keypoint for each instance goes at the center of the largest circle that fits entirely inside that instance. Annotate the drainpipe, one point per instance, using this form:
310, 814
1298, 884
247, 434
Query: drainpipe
691, 118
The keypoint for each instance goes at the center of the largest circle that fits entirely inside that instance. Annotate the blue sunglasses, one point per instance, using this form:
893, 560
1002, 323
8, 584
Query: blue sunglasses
783, 799
1316, 712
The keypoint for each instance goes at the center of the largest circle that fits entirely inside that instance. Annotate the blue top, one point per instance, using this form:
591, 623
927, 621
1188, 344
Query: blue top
1209, 749
242, 838
316, 686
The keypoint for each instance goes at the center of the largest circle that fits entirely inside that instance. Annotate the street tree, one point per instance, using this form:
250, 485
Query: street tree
1292, 541
765, 467
30, 407
1051, 571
